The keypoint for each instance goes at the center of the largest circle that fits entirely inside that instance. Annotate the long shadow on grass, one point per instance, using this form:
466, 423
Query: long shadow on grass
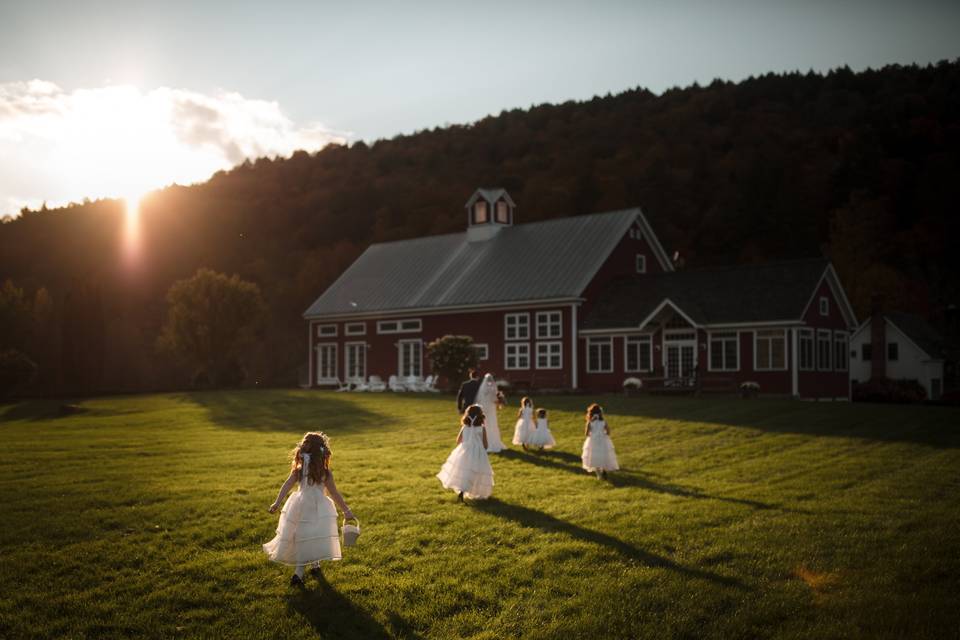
44, 410
333, 615
526, 517
281, 410
552, 460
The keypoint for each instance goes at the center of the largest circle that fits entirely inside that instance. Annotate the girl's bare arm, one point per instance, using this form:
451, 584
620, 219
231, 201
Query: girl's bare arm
283, 492
335, 495
606, 428
483, 434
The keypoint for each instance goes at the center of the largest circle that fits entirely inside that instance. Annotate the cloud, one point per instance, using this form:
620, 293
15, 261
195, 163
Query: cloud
60, 146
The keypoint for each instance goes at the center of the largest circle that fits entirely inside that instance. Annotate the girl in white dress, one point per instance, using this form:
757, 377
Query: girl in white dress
541, 436
307, 532
489, 398
524, 427
599, 455
467, 470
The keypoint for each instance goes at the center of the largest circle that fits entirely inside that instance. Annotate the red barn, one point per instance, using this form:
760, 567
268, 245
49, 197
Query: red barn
581, 303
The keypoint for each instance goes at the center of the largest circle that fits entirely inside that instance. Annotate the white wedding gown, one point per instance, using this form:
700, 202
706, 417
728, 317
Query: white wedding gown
487, 399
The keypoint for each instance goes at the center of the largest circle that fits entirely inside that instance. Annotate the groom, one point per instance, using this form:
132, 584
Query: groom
468, 391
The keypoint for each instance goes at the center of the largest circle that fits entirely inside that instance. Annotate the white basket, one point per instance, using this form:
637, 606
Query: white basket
351, 531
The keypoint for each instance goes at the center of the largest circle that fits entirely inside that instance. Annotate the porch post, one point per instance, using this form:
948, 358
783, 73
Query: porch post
574, 340
794, 362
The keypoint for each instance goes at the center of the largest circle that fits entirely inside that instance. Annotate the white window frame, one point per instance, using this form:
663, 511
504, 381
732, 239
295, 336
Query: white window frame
840, 339
828, 336
811, 336
327, 379
515, 347
550, 324
350, 329
735, 338
501, 206
478, 206
637, 340
400, 346
756, 340
549, 355
641, 263
483, 350
824, 306
326, 331
399, 326
346, 362
599, 342
525, 324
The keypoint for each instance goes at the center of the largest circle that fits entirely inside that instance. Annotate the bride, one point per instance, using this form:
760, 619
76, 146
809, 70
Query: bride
489, 398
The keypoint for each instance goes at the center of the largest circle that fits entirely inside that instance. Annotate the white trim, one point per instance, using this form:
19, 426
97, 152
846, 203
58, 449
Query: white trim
660, 307
559, 324
506, 326
320, 330
736, 338
786, 354
547, 343
574, 344
829, 336
517, 355
311, 374
433, 311
348, 332
336, 364
346, 362
399, 322
846, 350
640, 262
486, 350
638, 338
400, 344
807, 331
749, 325
598, 341
795, 363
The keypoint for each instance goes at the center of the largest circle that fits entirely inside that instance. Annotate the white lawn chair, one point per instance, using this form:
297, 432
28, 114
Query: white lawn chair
361, 385
377, 384
414, 383
394, 384
430, 384
342, 386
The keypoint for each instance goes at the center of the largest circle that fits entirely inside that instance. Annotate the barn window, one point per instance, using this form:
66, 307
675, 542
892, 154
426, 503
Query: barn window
641, 263
823, 350
806, 350
893, 352
549, 324
483, 351
824, 306
480, 214
866, 352
636, 354
840, 348
549, 355
770, 350
517, 326
326, 330
414, 325
517, 355
502, 213
600, 355
724, 351
355, 328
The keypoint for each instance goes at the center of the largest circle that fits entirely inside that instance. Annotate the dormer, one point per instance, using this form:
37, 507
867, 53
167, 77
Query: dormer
488, 211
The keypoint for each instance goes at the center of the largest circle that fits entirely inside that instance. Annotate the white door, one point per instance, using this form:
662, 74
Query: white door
411, 359
679, 359
326, 363
356, 361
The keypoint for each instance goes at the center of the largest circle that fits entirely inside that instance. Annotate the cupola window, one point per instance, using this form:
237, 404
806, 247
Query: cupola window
480, 215
503, 213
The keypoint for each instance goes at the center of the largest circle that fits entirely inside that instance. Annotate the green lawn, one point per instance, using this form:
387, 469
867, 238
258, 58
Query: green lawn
144, 515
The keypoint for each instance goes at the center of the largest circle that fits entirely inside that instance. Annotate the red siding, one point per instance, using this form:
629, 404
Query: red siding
825, 384
622, 262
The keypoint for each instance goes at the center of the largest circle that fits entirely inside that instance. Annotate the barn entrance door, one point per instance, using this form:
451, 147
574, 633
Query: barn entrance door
679, 354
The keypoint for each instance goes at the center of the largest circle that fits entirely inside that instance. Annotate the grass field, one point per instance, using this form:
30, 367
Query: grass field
144, 515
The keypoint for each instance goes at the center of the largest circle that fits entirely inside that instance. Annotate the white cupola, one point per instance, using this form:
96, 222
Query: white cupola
488, 211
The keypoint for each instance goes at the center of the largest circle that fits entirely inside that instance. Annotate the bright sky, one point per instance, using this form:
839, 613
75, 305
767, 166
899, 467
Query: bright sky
113, 98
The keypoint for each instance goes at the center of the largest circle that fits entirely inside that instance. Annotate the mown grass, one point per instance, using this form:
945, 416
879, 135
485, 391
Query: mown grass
143, 516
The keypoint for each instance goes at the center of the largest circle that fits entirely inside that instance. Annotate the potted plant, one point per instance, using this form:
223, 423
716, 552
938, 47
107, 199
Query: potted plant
749, 389
632, 386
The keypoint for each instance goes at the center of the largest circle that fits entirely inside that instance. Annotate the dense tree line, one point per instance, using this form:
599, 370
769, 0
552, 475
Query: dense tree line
862, 167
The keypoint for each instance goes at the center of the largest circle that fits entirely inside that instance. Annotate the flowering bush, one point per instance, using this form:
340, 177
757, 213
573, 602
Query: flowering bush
503, 384
633, 383
749, 385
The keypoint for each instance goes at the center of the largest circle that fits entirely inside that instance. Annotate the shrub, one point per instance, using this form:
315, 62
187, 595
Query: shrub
451, 357
887, 390
16, 371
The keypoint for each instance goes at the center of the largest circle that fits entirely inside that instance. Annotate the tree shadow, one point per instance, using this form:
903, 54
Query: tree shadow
283, 410
532, 518
333, 615
44, 410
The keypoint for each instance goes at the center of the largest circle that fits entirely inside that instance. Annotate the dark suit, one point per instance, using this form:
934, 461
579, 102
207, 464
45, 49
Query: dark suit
468, 393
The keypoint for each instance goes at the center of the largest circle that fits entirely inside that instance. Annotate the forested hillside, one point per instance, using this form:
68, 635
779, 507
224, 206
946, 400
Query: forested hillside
863, 167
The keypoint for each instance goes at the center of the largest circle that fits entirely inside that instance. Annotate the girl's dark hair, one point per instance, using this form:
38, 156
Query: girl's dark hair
524, 401
541, 413
594, 410
317, 444
473, 416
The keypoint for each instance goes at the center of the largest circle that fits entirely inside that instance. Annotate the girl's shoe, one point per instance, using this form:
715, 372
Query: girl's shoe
316, 573
296, 581
460, 497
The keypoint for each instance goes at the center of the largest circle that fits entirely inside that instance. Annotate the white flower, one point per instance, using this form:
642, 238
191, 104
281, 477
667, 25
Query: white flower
633, 383
503, 384
750, 385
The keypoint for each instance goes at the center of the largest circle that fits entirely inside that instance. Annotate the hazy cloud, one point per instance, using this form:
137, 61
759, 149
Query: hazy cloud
59, 146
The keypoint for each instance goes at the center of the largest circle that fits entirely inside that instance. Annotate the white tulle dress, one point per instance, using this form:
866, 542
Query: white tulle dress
541, 436
598, 451
307, 531
467, 468
487, 399
524, 427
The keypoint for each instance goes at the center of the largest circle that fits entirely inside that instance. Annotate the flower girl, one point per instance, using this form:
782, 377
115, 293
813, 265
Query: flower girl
524, 427
541, 436
598, 453
467, 470
307, 532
